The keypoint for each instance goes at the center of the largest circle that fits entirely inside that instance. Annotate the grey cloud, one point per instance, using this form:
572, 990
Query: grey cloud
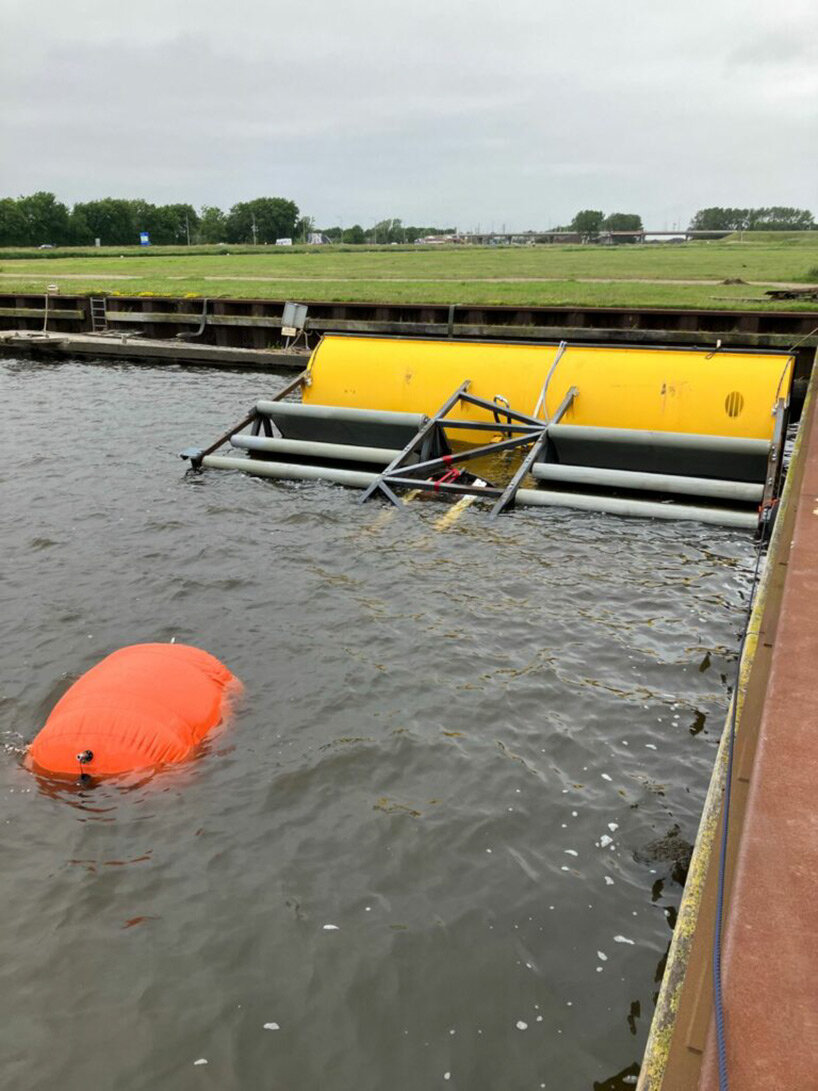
466, 112
781, 47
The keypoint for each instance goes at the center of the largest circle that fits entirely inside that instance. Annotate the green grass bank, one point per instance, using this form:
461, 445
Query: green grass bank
730, 273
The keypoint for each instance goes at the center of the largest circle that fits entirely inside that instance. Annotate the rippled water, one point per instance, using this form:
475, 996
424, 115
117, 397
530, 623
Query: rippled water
440, 733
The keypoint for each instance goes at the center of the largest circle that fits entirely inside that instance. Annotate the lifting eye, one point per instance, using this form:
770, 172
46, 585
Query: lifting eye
733, 403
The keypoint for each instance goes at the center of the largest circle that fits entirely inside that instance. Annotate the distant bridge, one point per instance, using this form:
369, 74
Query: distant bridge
489, 238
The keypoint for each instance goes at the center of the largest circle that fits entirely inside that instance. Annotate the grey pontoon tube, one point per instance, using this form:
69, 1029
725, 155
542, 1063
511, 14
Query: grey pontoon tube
339, 413
646, 509
360, 479
744, 491
356, 479
686, 440
345, 452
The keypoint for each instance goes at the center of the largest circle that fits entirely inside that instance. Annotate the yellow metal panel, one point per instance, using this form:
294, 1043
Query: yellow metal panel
666, 390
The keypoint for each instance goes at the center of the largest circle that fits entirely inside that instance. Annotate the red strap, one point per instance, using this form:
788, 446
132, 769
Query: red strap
450, 475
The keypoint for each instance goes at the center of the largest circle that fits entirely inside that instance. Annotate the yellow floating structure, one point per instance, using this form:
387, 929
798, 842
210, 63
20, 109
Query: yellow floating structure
614, 429
651, 389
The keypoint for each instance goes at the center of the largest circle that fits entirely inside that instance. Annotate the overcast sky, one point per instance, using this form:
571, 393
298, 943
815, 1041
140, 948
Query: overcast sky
447, 112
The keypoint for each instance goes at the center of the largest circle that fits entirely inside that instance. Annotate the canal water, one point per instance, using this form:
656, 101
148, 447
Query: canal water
417, 856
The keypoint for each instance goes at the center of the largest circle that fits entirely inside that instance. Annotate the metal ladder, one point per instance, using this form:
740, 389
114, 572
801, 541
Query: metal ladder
99, 321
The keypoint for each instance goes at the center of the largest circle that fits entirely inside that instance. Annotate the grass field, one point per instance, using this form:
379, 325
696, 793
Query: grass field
684, 275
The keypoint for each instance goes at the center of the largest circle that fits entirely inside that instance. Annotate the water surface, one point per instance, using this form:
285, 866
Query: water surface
451, 746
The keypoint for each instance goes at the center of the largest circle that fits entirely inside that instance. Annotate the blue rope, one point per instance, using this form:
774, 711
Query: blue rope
718, 1002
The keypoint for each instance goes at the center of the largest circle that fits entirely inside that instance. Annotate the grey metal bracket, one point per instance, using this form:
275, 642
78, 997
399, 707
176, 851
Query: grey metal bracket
426, 429
510, 492
775, 461
565, 404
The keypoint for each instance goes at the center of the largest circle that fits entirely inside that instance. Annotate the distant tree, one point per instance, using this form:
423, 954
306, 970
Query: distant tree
187, 217
143, 215
779, 218
720, 219
412, 234
212, 225
79, 233
46, 219
110, 219
387, 231
776, 218
588, 223
396, 231
355, 235
168, 225
334, 234
13, 225
623, 221
118, 222
264, 219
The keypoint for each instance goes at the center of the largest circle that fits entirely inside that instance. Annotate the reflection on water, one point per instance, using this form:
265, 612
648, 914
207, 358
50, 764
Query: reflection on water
416, 857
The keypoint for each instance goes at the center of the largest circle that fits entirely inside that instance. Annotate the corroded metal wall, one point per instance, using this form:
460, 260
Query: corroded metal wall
254, 323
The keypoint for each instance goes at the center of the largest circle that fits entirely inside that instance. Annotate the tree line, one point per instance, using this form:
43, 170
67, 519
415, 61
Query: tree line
591, 223
383, 233
40, 219
776, 218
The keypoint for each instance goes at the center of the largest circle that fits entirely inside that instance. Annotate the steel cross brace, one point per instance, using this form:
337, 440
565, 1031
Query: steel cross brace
462, 456
426, 429
491, 426
445, 486
507, 499
505, 411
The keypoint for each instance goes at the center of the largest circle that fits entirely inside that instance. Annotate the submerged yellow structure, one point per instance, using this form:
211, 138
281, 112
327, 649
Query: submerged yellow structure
665, 433
648, 389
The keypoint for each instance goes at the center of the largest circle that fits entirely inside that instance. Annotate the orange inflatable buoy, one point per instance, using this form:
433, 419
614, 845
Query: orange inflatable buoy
145, 705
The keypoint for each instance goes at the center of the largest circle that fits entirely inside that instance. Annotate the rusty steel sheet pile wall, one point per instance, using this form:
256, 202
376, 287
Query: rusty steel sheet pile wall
251, 323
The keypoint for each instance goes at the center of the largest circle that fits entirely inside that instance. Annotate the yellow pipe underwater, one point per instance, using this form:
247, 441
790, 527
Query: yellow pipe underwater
664, 390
